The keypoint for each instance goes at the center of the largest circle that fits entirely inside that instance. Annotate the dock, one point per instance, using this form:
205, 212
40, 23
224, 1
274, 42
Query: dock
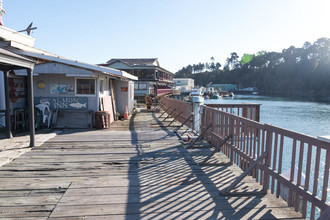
137, 169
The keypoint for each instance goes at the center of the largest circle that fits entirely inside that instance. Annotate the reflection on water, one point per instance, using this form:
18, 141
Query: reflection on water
310, 118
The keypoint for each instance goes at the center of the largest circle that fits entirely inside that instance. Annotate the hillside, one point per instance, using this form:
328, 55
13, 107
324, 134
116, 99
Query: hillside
301, 71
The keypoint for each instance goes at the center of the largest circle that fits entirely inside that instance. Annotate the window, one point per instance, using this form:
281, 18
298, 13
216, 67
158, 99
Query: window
140, 86
85, 86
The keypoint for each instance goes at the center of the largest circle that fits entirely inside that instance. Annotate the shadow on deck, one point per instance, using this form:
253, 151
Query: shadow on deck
137, 169
169, 184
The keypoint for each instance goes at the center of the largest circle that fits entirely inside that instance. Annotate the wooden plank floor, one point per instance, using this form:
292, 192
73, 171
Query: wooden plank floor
135, 170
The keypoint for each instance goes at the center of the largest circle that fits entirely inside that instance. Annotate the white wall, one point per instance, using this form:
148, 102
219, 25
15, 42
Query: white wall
184, 83
124, 98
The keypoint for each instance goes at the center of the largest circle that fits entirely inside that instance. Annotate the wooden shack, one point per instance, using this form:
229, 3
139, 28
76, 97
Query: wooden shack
69, 92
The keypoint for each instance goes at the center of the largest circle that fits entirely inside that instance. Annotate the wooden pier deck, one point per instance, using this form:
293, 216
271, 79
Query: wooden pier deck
135, 170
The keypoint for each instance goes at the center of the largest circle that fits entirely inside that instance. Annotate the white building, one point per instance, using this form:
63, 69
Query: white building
184, 84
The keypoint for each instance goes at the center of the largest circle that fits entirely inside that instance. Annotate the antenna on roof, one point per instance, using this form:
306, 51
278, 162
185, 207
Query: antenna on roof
29, 29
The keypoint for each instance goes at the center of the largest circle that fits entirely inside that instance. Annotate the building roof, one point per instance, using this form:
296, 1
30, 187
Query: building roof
23, 45
13, 60
136, 61
183, 79
58, 59
150, 63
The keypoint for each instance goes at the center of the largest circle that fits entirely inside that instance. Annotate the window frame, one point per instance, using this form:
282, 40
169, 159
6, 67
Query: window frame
76, 87
138, 86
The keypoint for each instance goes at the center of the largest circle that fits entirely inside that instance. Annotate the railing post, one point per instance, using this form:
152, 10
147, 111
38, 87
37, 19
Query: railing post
258, 113
31, 106
231, 134
7, 114
268, 149
244, 112
196, 107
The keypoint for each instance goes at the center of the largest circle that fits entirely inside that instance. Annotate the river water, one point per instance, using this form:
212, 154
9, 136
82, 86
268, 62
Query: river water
311, 118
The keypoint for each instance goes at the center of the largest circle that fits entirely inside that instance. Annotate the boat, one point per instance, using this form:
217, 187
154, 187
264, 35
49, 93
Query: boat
216, 96
231, 94
196, 96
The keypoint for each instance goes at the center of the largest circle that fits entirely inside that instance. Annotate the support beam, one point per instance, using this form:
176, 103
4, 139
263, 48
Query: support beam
175, 130
200, 136
325, 214
159, 106
164, 112
8, 121
169, 115
241, 177
174, 119
217, 149
31, 107
185, 131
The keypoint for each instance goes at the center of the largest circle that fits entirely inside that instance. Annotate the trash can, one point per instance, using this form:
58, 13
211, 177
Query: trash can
102, 119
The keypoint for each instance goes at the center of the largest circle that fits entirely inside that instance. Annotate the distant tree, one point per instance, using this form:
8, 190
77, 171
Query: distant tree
295, 71
217, 66
306, 45
212, 66
207, 66
194, 68
201, 67
233, 61
226, 67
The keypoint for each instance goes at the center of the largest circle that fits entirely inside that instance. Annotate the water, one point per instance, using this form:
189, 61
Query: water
311, 118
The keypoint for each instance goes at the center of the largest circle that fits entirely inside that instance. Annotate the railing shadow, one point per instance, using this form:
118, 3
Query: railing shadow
171, 184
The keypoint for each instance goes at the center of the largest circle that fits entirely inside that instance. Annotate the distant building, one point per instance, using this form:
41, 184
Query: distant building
184, 84
223, 87
153, 79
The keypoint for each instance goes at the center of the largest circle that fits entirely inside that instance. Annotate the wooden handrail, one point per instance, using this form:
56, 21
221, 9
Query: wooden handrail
251, 139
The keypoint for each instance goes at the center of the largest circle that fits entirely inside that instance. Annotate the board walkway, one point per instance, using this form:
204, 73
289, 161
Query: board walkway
137, 169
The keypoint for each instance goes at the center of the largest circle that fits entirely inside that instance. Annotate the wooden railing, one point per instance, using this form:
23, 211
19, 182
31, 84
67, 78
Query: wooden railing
284, 150
274, 150
248, 110
180, 110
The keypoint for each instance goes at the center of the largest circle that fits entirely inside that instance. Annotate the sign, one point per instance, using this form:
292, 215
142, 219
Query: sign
61, 89
63, 102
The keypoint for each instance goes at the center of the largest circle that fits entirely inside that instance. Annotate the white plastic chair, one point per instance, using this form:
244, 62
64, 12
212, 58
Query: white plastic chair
45, 112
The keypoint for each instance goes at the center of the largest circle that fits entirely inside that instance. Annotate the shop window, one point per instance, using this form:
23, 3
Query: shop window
140, 86
85, 86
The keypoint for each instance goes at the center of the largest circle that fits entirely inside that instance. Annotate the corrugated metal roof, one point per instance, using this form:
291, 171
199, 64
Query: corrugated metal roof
9, 53
102, 69
14, 61
138, 63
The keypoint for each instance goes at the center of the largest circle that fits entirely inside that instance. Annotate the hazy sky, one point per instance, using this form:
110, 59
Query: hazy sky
178, 32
